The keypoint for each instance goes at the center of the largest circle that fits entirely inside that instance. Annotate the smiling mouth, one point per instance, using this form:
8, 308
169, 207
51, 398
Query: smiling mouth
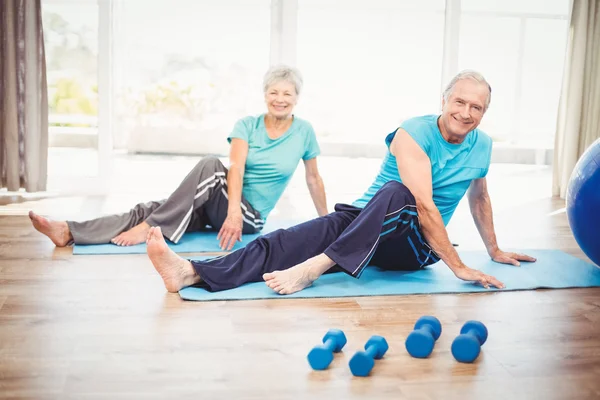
461, 122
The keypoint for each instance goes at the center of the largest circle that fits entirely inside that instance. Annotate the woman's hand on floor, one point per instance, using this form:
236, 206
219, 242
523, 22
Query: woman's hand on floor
231, 231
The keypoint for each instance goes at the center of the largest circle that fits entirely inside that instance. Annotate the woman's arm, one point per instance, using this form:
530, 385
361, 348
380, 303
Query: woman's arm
316, 186
231, 230
235, 178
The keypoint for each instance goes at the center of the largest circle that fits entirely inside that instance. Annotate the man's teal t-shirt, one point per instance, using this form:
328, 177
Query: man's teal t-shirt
453, 166
271, 163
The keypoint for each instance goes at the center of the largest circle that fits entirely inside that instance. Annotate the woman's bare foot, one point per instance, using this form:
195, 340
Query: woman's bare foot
57, 231
300, 276
176, 272
135, 235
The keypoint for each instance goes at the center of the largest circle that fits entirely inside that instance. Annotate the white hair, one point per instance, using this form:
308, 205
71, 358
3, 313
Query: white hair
468, 74
280, 73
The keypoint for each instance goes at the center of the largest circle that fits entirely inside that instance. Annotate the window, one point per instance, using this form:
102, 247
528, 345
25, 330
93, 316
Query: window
185, 74
490, 46
539, 7
544, 52
368, 65
519, 46
71, 45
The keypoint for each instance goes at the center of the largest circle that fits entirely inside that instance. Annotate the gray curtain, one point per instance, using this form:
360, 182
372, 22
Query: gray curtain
578, 124
23, 97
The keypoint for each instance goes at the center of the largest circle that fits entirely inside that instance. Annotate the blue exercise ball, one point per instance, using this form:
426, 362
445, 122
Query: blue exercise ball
583, 202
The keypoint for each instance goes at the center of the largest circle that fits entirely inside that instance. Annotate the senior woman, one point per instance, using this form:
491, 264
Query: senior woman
265, 151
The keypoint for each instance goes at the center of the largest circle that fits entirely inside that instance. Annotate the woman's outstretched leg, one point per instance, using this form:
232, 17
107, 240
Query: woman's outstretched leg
57, 231
95, 231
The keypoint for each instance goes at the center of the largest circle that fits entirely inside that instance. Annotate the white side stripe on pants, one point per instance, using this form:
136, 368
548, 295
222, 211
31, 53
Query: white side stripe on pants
256, 221
214, 179
203, 187
377, 241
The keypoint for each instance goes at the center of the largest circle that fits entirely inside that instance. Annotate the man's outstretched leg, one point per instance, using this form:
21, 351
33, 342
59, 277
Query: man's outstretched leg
175, 271
278, 250
300, 276
390, 214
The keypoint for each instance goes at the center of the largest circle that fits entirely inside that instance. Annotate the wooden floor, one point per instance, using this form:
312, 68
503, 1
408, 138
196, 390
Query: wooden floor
103, 327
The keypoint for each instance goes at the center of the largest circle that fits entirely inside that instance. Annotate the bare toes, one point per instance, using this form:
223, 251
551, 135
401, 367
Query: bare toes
277, 288
268, 276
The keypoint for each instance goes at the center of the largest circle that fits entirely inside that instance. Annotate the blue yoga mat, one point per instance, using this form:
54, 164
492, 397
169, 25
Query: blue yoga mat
196, 242
553, 269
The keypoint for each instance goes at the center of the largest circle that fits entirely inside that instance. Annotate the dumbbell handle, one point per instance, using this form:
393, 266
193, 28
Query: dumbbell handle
427, 328
329, 344
371, 351
474, 333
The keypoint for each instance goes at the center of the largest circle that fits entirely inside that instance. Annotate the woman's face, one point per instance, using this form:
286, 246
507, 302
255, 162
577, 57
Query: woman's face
281, 97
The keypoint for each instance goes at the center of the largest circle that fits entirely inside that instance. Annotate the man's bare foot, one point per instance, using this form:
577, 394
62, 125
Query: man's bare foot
135, 235
57, 231
176, 272
300, 276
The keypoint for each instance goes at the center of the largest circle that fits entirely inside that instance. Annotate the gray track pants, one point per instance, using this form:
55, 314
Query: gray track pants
199, 201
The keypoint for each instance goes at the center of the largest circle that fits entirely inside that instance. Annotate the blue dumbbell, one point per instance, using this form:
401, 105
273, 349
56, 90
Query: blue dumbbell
363, 361
421, 340
321, 355
467, 345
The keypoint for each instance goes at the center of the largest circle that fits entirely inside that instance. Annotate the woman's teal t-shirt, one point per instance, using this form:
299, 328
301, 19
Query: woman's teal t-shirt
271, 163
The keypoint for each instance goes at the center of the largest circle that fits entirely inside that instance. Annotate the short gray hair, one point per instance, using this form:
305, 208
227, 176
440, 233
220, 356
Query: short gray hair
468, 74
280, 73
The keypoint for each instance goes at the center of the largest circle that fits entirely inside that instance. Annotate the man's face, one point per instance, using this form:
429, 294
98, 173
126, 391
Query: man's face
465, 107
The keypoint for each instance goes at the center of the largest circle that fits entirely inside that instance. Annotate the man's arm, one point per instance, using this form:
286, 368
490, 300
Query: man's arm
414, 168
481, 210
316, 186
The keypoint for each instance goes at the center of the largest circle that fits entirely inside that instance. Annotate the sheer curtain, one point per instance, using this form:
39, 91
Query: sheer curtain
23, 97
578, 124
